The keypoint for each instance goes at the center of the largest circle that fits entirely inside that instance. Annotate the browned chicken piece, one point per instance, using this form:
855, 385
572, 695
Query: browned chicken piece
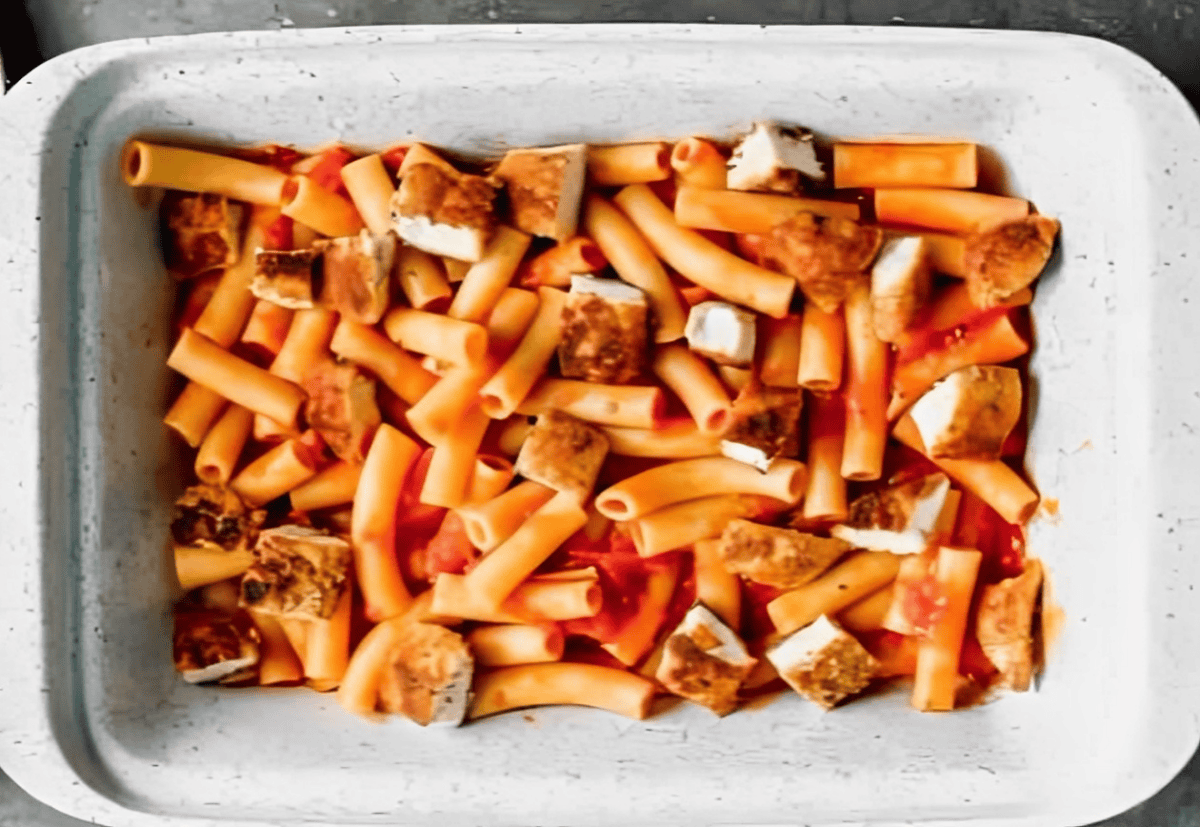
900, 518
1004, 625
604, 331
428, 678
824, 255
780, 557
285, 277
200, 231
545, 187
214, 517
341, 407
901, 280
705, 661
1003, 259
215, 646
765, 425
563, 453
970, 413
357, 275
297, 571
823, 663
444, 213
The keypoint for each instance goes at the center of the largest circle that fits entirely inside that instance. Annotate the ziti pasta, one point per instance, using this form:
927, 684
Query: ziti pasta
591, 424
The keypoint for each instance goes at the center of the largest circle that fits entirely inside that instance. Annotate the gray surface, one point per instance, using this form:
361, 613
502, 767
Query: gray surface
1166, 33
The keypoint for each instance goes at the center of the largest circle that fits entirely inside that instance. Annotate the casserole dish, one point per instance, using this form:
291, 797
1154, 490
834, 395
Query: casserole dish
96, 722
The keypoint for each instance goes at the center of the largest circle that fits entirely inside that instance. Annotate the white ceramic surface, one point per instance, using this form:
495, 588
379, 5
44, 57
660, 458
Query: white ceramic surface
92, 717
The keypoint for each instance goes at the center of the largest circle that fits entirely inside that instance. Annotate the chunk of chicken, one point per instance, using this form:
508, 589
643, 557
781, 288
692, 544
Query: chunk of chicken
285, 277
357, 275
765, 425
341, 407
443, 212
823, 663
901, 281
214, 646
705, 661
428, 677
824, 255
780, 557
1001, 260
200, 231
900, 519
297, 571
563, 453
545, 187
1004, 625
774, 158
723, 332
604, 331
970, 413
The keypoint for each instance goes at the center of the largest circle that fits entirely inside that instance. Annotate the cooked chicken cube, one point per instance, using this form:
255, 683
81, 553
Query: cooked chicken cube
604, 331
900, 519
723, 332
1004, 625
428, 677
705, 661
900, 284
774, 158
214, 646
563, 453
545, 187
341, 407
210, 516
970, 413
444, 214
1001, 260
357, 271
200, 232
297, 571
765, 425
779, 557
285, 277
823, 663
824, 255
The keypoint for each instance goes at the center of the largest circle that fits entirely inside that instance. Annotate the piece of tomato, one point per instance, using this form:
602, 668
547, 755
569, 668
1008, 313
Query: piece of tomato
327, 172
449, 550
279, 234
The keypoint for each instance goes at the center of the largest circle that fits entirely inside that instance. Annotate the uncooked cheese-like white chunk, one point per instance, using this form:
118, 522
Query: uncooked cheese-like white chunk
722, 332
773, 158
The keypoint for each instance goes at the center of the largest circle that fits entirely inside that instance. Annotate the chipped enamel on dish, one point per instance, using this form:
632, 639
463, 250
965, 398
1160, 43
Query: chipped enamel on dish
97, 724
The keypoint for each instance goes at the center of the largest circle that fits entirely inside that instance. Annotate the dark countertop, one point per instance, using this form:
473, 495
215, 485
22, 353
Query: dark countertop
1165, 32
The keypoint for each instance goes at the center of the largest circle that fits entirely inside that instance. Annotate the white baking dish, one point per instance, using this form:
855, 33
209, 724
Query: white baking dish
93, 719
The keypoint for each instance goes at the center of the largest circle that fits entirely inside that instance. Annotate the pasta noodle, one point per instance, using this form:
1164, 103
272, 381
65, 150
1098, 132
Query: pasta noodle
629, 163
364, 345
151, 165
200, 360
370, 187
635, 262
585, 684
628, 406
512, 382
701, 391
488, 278
675, 482
702, 261
732, 211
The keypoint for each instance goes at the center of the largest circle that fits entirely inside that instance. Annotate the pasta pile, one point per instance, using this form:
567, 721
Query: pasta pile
600, 424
